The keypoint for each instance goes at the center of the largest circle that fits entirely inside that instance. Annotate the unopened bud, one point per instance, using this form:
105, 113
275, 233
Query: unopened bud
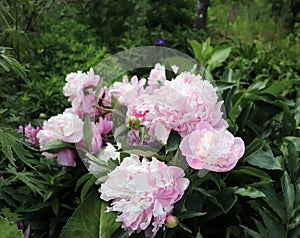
134, 122
171, 221
43, 116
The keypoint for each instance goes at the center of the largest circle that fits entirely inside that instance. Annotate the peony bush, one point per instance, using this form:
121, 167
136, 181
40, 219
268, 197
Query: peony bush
142, 186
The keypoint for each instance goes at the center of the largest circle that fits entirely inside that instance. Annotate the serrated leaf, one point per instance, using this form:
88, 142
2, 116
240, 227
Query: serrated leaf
264, 159
249, 192
9, 230
12, 147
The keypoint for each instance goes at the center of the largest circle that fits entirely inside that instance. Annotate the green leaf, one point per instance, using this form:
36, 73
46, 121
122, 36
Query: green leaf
273, 226
90, 220
184, 227
9, 63
251, 171
277, 87
219, 55
199, 235
249, 192
142, 132
294, 140
273, 201
252, 233
191, 214
293, 160
86, 187
173, 141
108, 224
55, 146
197, 49
12, 147
264, 159
254, 146
226, 198
288, 195
9, 230
140, 150
87, 132
55, 206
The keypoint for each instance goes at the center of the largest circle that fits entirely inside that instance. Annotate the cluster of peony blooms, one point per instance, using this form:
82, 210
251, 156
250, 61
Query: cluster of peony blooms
143, 191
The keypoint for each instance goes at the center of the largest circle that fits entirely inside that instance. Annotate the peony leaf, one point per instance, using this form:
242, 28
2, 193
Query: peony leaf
55, 146
278, 86
264, 159
273, 226
252, 233
9, 230
87, 132
173, 141
108, 224
90, 220
85, 220
249, 192
252, 172
140, 150
191, 214
288, 194
142, 132
294, 140
219, 55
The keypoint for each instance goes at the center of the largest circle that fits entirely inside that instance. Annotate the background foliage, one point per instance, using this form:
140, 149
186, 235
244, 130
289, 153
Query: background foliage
252, 52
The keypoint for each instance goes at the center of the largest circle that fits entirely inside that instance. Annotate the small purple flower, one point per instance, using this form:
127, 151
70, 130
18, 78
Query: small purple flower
159, 42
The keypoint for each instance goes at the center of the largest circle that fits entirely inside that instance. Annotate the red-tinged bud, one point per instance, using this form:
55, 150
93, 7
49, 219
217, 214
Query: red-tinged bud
171, 221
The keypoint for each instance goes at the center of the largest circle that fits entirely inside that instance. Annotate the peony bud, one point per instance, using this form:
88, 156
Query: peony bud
171, 221
134, 122
43, 116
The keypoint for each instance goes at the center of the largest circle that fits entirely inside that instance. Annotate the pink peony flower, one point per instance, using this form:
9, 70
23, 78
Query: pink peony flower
212, 149
201, 102
66, 127
143, 193
126, 91
99, 129
180, 105
66, 157
30, 133
157, 77
80, 92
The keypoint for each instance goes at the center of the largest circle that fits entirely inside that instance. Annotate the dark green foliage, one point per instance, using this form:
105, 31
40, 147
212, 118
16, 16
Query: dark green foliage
252, 52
